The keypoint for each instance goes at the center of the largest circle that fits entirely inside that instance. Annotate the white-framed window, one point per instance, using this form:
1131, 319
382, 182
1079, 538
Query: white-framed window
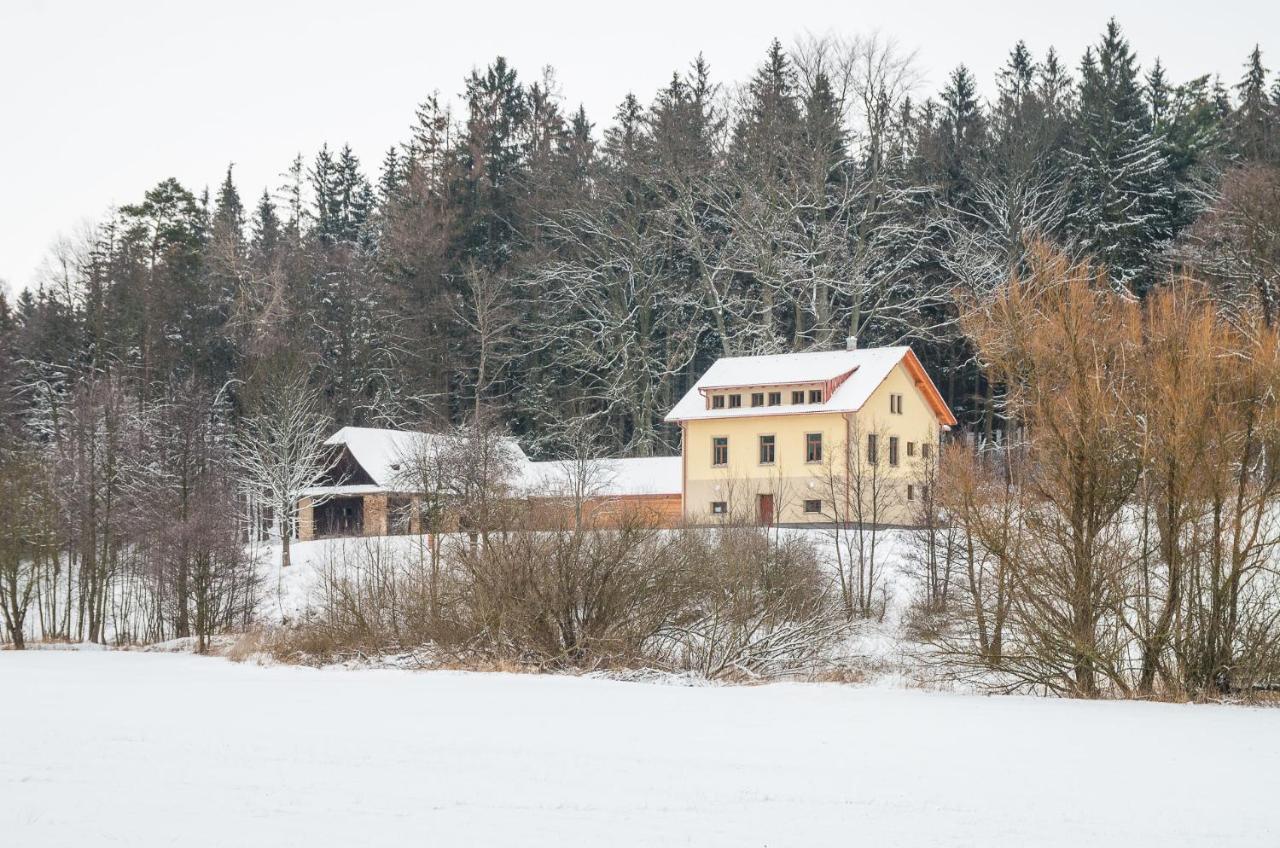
895, 404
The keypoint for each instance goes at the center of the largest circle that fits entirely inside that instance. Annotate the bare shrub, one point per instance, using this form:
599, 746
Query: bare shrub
759, 605
370, 598
726, 602
569, 597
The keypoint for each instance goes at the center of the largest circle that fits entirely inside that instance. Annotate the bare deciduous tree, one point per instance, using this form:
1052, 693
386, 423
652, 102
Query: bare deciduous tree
280, 451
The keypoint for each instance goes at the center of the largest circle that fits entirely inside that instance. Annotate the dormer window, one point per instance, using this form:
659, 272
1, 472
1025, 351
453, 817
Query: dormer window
735, 401
815, 396
717, 401
775, 398
757, 398
797, 397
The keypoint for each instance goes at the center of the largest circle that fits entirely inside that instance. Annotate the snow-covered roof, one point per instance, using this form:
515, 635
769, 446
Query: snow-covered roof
818, 366
858, 373
651, 475
340, 491
381, 452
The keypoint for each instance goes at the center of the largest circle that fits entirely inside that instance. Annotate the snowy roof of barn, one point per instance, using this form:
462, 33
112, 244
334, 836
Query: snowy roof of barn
650, 475
382, 452
855, 373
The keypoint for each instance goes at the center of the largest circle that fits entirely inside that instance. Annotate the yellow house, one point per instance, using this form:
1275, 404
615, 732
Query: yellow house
845, 436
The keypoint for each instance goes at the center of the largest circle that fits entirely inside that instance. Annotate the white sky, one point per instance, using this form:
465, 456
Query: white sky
101, 100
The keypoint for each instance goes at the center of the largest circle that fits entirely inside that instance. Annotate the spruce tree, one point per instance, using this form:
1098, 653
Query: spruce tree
1158, 92
228, 213
323, 178
625, 136
771, 123
9, 389
492, 155
580, 147
391, 178
682, 128
1053, 84
1253, 124
1120, 190
824, 136
266, 231
430, 146
353, 195
956, 149
1188, 120
224, 276
157, 270
1028, 121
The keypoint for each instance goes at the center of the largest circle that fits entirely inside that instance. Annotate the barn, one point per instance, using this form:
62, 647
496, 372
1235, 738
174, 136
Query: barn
369, 490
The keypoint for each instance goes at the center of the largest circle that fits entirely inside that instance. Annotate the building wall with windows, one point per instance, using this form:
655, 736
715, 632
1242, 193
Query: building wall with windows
739, 483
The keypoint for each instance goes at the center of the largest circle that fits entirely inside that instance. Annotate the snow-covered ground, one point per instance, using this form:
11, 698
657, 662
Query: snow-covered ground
144, 749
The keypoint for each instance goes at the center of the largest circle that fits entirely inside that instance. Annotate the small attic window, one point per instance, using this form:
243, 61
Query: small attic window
815, 396
717, 401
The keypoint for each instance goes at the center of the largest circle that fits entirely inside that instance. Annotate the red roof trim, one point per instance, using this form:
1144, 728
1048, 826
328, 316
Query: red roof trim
928, 389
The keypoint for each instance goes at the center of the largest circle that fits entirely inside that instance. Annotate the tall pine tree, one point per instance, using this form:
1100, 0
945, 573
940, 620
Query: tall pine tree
1253, 125
1121, 194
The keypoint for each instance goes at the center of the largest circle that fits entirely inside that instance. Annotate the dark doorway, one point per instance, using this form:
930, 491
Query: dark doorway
766, 510
340, 517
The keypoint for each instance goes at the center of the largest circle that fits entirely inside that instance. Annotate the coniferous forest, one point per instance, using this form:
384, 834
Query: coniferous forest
556, 265
515, 257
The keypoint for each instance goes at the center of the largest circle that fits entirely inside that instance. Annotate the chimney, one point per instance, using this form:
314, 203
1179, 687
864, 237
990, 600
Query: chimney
851, 343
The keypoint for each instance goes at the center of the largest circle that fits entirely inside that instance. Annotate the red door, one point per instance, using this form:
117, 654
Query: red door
766, 509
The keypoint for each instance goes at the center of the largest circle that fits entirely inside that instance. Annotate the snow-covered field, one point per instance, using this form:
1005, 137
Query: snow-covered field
141, 749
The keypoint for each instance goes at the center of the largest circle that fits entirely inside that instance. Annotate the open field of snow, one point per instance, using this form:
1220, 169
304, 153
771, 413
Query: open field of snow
141, 749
